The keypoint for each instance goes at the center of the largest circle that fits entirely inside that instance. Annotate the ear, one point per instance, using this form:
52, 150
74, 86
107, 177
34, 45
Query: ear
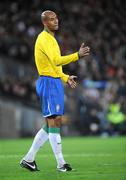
45, 22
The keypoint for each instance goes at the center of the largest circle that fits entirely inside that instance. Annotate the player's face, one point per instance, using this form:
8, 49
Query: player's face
52, 22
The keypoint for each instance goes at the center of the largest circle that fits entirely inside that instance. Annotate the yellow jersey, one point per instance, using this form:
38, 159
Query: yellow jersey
48, 57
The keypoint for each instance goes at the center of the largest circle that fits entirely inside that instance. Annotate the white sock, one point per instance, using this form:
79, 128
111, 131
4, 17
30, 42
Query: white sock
40, 138
55, 141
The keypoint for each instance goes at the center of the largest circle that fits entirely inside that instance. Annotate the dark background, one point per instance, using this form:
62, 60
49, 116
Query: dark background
97, 106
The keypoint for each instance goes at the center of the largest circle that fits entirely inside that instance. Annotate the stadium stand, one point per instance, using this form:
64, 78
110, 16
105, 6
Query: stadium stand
102, 78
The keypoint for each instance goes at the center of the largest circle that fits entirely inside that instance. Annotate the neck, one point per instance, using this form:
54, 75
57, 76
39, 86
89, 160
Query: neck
49, 31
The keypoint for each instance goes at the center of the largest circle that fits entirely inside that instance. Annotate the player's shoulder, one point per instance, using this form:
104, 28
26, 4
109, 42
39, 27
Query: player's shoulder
43, 36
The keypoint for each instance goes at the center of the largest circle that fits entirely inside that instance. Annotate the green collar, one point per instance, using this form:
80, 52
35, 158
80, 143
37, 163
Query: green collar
46, 30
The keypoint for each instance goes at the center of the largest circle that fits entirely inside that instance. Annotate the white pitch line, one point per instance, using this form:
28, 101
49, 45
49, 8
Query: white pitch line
2, 156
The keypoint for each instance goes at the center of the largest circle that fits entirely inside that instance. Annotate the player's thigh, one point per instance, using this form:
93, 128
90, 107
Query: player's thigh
54, 121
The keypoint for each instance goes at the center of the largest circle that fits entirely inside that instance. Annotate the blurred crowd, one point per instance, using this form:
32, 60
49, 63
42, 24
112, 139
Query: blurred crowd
101, 25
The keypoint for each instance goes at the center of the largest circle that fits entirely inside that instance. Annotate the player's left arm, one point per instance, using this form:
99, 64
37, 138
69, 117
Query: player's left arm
64, 60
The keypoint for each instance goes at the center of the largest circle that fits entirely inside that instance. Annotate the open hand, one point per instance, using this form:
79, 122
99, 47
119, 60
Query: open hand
71, 81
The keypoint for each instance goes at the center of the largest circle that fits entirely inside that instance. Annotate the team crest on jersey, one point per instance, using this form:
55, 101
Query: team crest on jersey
57, 107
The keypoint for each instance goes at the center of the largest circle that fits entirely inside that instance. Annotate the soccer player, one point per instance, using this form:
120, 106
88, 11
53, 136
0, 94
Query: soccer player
50, 90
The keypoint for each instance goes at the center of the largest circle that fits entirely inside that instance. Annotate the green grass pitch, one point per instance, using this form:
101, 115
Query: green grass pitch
93, 158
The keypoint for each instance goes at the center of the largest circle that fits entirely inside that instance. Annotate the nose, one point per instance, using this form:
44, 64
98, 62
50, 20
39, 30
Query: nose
56, 21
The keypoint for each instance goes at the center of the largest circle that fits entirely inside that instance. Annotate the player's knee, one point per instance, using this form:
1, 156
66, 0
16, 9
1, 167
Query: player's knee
54, 121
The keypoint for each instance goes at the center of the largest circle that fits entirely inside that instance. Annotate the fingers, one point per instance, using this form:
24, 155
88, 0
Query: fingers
82, 45
84, 51
86, 54
73, 77
72, 83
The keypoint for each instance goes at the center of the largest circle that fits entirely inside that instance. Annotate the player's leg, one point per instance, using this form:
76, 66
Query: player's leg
54, 124
40, 138
42, 135
29, 159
